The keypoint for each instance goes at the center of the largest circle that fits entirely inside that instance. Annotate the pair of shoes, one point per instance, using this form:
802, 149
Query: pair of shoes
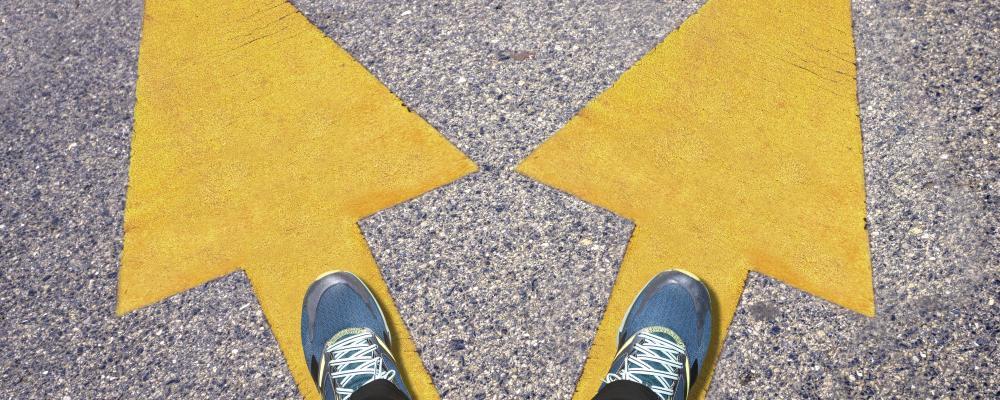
662, 341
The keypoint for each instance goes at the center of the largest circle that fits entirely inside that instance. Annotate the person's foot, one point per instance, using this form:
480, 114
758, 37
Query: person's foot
665, 335
345, 337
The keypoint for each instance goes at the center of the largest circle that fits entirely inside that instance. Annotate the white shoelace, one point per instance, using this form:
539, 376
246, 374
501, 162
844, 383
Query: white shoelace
653, 357
356, 361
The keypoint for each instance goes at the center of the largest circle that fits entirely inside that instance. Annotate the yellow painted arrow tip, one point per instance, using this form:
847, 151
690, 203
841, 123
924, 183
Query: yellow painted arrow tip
867, 309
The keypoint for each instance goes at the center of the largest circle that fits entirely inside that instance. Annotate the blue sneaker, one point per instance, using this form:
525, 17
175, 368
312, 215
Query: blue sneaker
665, 335
345, 337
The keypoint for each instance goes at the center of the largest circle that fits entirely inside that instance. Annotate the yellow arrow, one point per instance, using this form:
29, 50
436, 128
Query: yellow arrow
735, 146
258, 145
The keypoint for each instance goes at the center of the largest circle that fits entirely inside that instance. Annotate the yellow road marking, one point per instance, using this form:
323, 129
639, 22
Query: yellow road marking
735, 145
258, 145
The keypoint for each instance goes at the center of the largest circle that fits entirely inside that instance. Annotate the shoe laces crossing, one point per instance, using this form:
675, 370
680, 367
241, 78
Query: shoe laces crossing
355, 361
654, 362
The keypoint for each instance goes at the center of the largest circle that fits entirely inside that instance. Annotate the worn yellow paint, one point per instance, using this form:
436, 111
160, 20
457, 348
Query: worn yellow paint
734, 146
258, 145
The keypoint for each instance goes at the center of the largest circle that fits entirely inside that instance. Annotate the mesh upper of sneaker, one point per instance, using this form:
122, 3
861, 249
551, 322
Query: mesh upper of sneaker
678, 302
338, 306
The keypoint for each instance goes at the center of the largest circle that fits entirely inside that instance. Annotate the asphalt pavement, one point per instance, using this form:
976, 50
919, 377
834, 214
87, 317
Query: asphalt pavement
501, 280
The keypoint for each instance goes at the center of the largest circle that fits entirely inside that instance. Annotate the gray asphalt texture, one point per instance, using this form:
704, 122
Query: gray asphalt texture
501, 280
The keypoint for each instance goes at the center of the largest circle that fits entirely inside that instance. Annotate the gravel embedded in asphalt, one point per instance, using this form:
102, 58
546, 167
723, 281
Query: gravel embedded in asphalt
501, 280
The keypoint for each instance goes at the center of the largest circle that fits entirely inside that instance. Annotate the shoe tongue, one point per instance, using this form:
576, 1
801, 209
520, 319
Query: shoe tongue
355, 382
664, 333
680, 386
349, 332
